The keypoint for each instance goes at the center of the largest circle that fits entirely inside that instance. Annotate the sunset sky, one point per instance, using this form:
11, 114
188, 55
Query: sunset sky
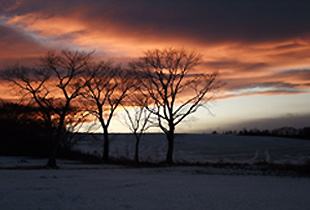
261, 49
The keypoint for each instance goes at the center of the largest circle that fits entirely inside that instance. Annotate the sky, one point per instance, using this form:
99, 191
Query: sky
261, 49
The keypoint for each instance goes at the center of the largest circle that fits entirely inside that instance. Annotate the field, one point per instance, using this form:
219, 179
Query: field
82, 186
205, 148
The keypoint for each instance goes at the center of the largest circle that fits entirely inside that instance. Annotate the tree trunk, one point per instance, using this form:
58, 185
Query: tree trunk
106, 145
51, 163
170, 138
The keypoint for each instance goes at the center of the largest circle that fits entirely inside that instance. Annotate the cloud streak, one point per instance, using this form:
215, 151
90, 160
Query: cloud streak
258, 47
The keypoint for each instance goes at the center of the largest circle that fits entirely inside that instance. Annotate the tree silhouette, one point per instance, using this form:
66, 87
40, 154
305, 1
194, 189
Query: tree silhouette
138, 121
172, 87
107, 87
52, 86
67, 68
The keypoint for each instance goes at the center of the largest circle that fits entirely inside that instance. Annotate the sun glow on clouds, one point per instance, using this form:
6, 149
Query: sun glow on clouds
234, 61
47, 27
248, 64
71, 31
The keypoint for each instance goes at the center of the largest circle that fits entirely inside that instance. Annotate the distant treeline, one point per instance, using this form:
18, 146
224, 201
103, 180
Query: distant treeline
302, 133
23, 132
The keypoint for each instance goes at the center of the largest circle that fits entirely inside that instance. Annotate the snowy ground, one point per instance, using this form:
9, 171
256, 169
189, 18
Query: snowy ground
206, 148
77, 186
169, 188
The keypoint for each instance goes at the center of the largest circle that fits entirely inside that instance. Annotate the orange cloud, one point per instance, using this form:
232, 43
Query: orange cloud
115, 30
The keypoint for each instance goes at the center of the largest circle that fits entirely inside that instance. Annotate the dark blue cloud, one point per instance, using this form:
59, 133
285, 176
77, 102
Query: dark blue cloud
290, 120
204, 21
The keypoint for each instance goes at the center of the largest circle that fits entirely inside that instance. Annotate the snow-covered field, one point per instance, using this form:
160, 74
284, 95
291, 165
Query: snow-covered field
77, 186
206, 148
140, 189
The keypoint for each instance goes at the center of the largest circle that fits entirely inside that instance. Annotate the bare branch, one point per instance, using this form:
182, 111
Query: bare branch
174, 89
107, 86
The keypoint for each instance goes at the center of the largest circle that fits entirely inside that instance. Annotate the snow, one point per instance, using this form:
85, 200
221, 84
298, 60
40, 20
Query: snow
24, 162
169, 188
79, 186
206, 148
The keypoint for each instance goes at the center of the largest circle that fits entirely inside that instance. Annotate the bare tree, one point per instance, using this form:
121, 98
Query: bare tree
138, 121
53, 86
67, 68
173, 88
107, 87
